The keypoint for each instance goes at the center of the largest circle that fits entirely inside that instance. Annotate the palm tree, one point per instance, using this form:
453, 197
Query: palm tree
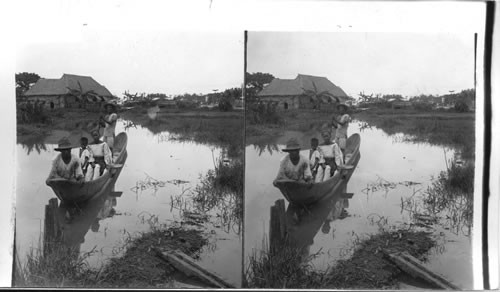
319, 97
80, 94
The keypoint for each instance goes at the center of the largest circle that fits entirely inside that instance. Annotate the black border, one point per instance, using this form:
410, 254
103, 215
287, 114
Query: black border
488, 47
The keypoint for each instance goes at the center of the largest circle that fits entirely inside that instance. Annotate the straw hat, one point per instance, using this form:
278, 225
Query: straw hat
291, 145
64, 144
111, 105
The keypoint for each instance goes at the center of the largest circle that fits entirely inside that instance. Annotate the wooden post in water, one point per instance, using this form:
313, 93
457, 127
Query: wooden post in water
277, 225
51, 227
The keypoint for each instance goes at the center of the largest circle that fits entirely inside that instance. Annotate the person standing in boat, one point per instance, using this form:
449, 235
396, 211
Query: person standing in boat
101, 155
341, 123
109, 122
294, 166
331, 157
65, 165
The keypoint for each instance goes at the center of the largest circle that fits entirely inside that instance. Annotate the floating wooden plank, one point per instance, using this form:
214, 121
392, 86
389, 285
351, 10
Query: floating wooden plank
346, 195
415, 268
181, 285
116, 194
188, 266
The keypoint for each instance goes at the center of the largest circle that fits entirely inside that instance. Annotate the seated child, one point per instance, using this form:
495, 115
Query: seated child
331, 158
84, 154
314, 157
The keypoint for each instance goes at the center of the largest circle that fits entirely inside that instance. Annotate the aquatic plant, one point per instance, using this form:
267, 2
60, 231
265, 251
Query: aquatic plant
447, 202
62, 266
148, 183
286, 267
221, 190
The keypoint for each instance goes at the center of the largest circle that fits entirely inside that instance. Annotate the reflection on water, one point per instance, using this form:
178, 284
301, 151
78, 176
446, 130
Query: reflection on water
165, 170
35, 144
389, 173
303, 223
67, 225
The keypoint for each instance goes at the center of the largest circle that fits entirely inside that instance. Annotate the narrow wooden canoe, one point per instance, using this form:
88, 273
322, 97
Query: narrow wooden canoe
306, 194
74, 192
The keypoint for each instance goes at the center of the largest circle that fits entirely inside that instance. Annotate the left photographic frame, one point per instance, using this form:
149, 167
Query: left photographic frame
129, 158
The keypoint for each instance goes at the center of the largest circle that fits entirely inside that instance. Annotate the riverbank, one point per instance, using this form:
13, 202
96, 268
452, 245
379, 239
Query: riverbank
434, 127
203, 126
225, 129
366, 268
138, 267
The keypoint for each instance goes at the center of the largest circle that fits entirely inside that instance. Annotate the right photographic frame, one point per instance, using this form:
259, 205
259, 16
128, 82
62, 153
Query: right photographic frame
360, 160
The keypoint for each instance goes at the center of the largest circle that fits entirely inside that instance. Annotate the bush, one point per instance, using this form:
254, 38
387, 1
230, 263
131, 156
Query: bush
422, 106
32, 113
461, 107
459, 178
264, 113
225, 105
185, 104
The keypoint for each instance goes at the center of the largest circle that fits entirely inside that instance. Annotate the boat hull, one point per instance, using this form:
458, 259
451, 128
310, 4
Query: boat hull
306, 194
74, 192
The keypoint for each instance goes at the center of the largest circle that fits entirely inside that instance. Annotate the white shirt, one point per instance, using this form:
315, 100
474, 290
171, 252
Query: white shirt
109, 129
86, 153
66, 171
102, 150
342, 130
288, 170
331, 151
315, 154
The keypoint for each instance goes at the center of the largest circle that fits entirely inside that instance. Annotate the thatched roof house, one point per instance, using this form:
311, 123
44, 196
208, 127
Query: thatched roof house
305, 91
68, 91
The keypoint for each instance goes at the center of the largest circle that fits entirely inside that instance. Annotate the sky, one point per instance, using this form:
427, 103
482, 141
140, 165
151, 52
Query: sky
149, 61
387, 63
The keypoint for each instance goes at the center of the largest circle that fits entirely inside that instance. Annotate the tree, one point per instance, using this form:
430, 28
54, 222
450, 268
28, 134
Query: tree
255, 82
225, 103
319, 97
80, 94
24, 81
461, 107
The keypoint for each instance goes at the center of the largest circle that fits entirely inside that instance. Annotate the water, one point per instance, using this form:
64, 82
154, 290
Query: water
151, 155
384, 159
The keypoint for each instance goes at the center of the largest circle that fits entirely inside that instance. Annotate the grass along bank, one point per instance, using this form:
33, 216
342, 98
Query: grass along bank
438, 128
367, 268
138, 267
435, 127
203, 126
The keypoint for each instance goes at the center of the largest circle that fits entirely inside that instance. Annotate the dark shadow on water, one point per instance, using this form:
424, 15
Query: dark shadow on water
284, 260
58, 254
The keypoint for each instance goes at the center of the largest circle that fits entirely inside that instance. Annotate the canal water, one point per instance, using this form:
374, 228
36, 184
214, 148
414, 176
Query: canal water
390, 171
157, 182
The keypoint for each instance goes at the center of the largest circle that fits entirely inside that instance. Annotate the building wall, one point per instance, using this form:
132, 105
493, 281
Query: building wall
297, 102
49, 102
68, 101
284, 102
